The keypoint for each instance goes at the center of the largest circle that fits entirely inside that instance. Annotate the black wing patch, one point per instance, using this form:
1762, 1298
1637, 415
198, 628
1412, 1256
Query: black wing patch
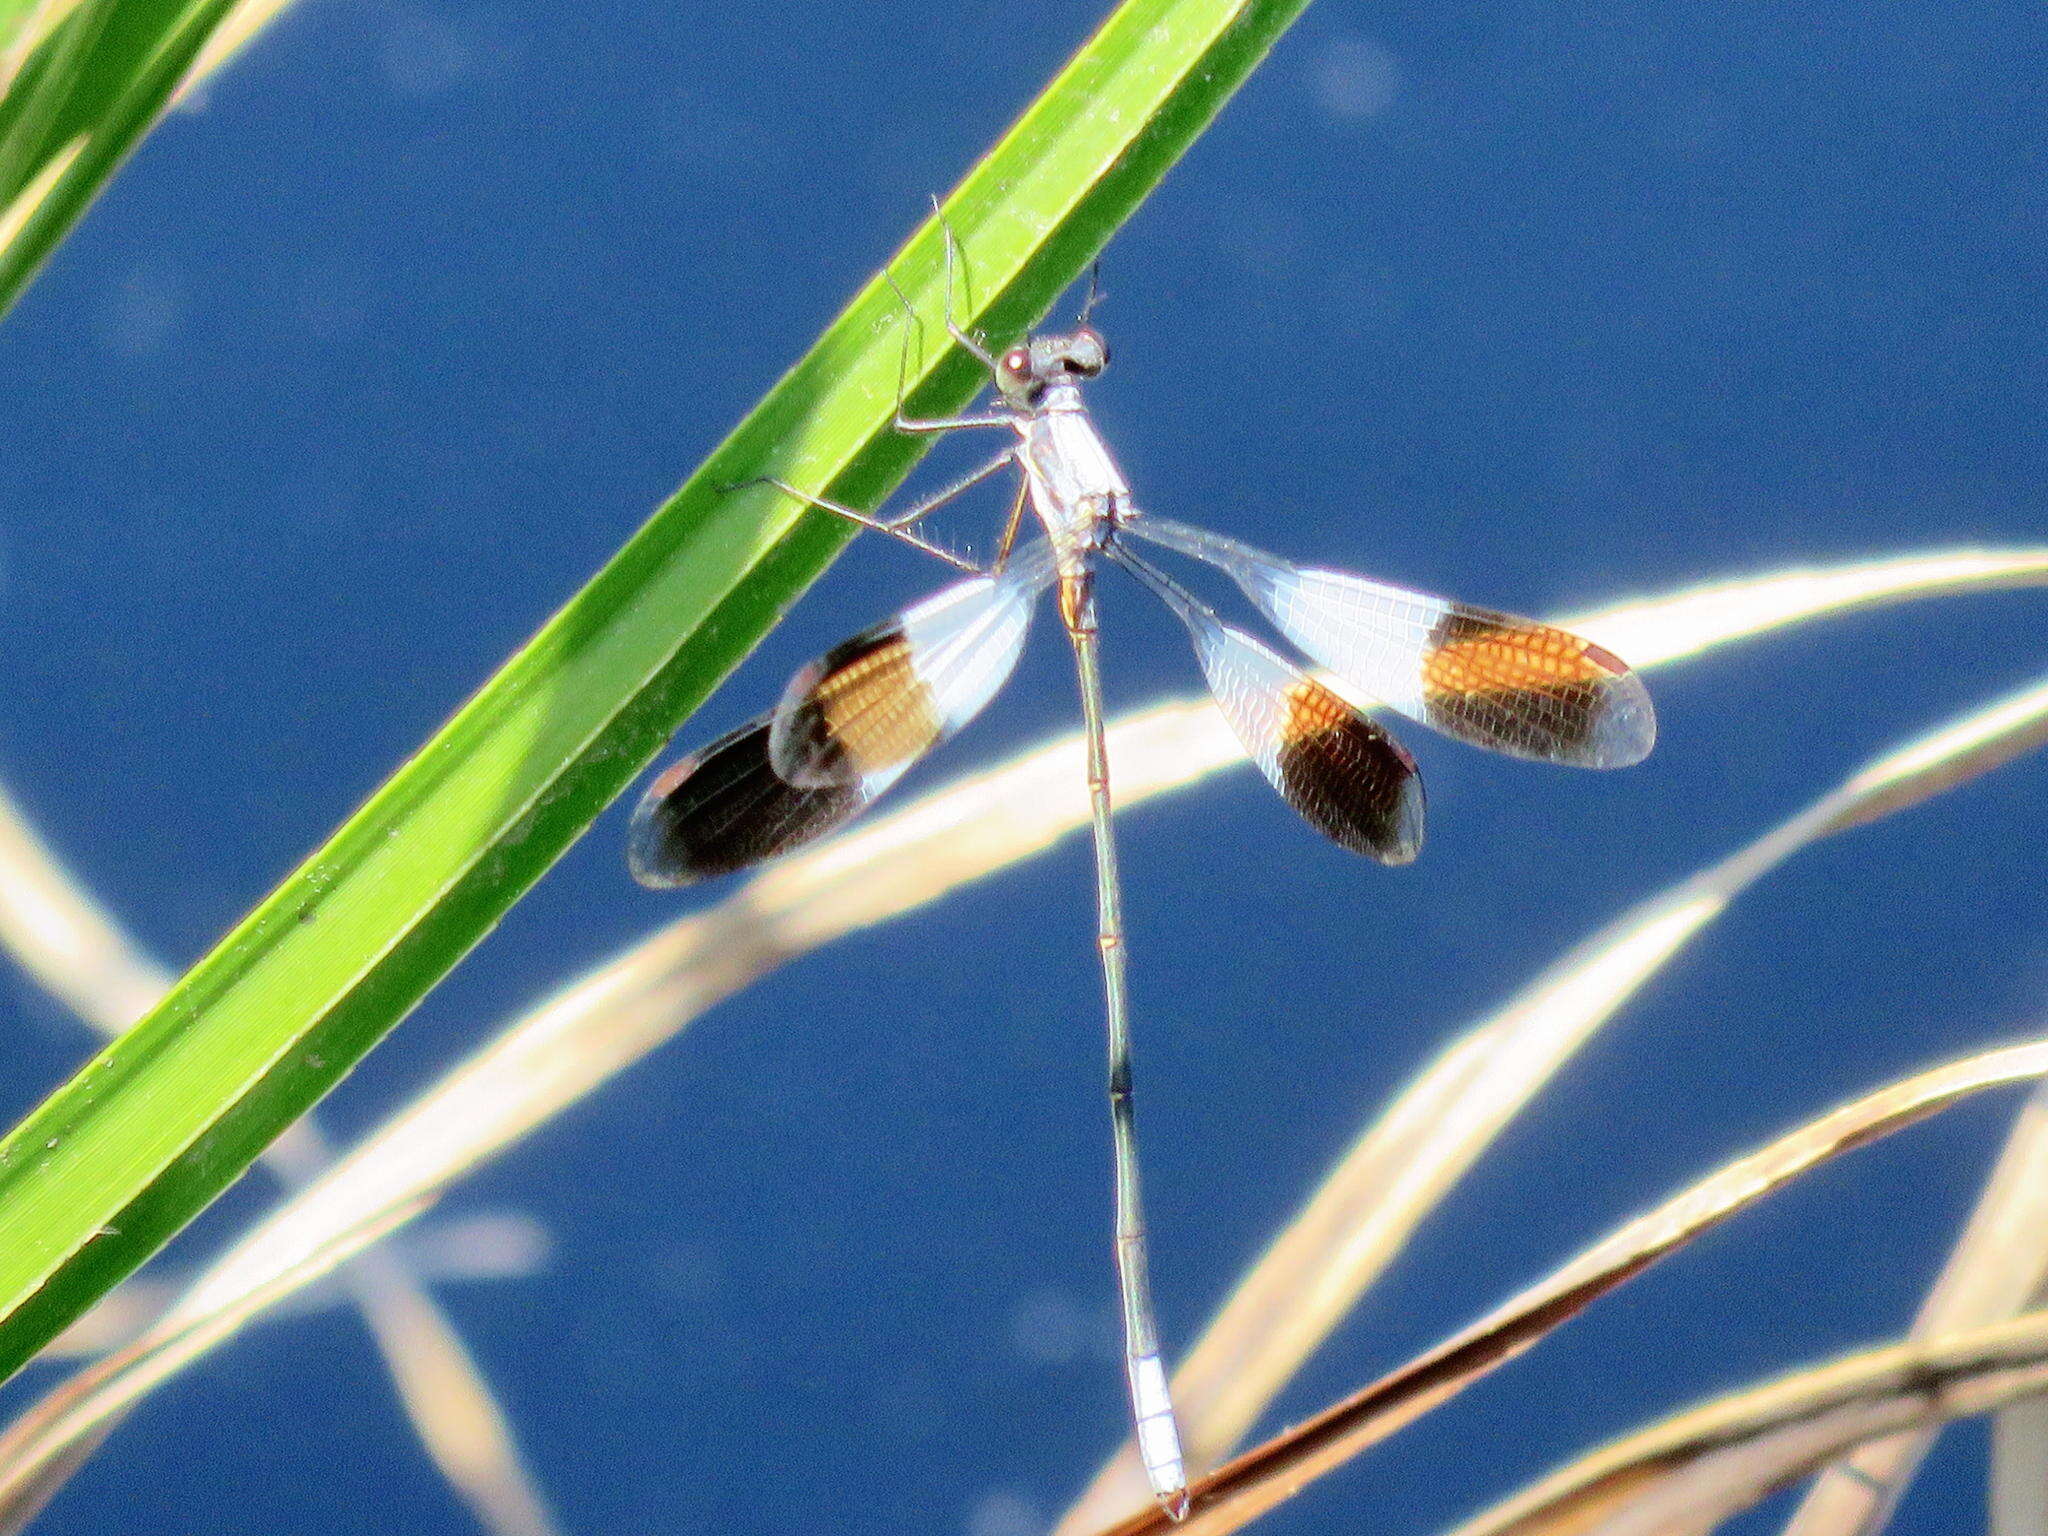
726, 808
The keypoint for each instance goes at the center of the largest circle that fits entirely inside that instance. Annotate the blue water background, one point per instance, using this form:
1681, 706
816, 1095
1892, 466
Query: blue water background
373, 355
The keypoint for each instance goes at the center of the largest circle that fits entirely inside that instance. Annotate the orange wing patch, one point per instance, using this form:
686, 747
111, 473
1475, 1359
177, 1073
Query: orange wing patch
1471, 654
868, 709
878, 709
1524, 687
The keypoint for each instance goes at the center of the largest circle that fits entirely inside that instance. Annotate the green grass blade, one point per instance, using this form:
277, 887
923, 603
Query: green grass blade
117, 1160
82, 100
15, 15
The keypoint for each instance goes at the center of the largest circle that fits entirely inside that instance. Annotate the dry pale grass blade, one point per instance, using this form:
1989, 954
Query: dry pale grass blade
443, 1393
2018, 1505
48, 1442
1408, 1158
1995, 1272
451, 1408
1925, 767
116, 1319
1693, 1471
1658, 630
64, 939
473, 1248
1239, 1492
963, 832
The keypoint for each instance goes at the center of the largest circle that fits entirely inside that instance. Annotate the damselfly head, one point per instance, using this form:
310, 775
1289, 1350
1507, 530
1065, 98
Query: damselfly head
1024, 372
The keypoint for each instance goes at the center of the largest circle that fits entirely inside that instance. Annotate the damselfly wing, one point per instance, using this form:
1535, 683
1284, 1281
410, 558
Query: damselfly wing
849, 725
1491, 679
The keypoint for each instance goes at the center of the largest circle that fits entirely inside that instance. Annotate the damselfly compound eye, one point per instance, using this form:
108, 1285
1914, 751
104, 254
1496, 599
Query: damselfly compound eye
1087, 353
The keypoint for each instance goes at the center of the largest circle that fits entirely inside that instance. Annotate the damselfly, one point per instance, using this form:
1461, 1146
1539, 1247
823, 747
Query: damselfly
851, 723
